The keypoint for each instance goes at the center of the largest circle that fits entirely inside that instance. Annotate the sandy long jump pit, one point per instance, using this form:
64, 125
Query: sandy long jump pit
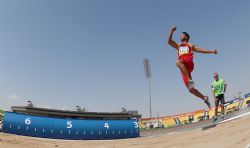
231, 134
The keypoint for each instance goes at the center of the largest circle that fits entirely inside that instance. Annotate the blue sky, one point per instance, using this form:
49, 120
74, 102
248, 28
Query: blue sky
63, 53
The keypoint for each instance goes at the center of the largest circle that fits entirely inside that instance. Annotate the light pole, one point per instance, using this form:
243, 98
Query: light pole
239, 94
148, 74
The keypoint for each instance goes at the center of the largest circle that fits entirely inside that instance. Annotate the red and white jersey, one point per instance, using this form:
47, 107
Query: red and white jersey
185, 52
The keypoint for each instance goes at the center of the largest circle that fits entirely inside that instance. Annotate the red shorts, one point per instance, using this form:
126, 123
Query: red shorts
189, 66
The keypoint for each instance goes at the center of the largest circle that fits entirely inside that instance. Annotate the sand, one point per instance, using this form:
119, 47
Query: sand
233, 134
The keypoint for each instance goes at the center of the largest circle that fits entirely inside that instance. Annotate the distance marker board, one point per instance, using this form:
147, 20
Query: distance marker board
67, 128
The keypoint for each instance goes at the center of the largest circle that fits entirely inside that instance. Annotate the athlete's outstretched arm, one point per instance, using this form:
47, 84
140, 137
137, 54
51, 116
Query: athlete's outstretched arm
170, 41
200, 50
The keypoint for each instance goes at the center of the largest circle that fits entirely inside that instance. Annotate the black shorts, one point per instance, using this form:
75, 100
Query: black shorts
220, 99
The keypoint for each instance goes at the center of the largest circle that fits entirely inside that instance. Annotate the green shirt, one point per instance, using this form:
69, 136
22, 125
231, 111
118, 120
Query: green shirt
218, 87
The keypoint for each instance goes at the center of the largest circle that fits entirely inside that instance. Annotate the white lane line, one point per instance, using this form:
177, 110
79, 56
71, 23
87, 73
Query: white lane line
248, 113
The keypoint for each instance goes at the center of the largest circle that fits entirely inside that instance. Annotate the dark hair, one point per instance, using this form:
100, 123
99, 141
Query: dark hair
186, 34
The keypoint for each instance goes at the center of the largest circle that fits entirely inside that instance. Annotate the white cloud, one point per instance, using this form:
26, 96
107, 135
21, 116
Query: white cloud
15, 97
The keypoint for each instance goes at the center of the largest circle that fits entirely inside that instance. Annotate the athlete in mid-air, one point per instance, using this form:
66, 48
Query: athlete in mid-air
185, 61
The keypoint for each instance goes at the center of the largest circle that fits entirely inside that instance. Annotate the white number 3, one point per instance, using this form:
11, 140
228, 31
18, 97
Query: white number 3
136, 125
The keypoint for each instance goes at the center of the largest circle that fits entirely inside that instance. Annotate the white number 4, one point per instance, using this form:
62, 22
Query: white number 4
106, 125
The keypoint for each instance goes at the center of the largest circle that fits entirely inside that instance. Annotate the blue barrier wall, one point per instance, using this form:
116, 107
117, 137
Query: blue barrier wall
57, 128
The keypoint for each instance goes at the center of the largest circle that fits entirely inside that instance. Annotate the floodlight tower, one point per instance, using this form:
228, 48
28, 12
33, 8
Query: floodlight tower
148, 74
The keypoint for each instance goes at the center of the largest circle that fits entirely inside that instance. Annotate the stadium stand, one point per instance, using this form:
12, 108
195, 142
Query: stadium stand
196, 116
246, 102
169, 122
199, 115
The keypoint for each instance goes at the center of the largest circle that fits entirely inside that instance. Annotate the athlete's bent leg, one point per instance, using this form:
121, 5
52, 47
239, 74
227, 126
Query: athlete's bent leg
186, 69
196, 92
183, 69
200, 95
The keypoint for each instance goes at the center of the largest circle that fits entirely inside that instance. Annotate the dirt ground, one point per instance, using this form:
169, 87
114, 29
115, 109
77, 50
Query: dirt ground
233, 134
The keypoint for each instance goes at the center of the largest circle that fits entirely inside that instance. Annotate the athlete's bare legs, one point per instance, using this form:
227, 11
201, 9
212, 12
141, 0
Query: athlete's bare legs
192, 90
197, 93
181, 66
200, 95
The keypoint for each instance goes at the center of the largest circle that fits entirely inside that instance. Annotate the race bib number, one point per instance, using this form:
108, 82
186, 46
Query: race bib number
183, 50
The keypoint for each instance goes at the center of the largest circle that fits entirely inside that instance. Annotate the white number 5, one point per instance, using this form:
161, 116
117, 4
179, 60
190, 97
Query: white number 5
69, 124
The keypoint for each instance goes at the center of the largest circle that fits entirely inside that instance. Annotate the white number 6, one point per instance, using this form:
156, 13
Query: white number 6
27, 121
